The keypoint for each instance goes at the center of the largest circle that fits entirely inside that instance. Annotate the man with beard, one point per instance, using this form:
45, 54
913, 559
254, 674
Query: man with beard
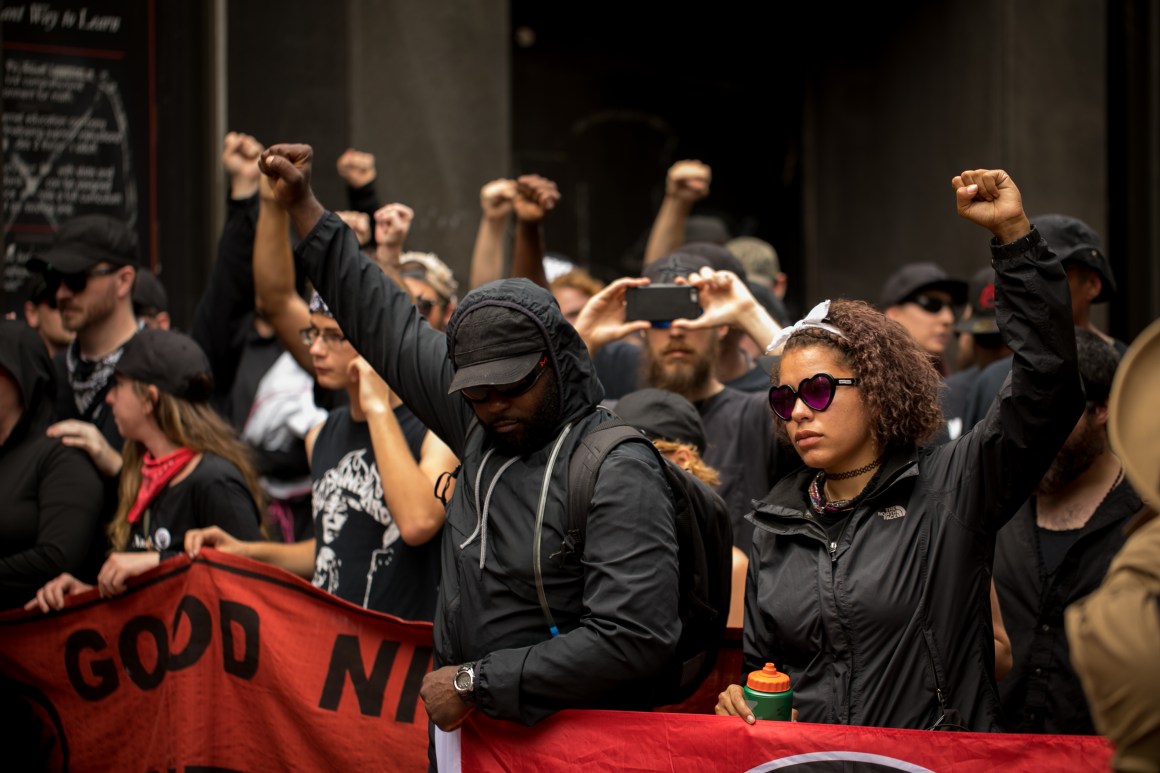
526, 624
91, 268
741, 443
1056, 550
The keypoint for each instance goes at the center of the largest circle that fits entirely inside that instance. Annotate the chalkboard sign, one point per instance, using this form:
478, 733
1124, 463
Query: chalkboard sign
78, 121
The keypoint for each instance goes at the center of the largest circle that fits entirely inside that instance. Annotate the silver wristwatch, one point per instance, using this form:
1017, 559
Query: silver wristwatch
464, 683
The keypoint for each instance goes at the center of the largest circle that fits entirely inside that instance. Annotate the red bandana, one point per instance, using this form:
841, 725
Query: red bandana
155, 475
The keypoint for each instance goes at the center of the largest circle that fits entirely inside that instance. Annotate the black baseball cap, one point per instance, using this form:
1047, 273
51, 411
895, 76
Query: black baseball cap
85, 241
148, 292
678, 264
663, 415
170, 361
719, 257
494, 345
982, 295
1074, 241
913, 278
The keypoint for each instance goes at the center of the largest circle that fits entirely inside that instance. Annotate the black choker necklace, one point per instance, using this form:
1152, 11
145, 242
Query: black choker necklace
855, 473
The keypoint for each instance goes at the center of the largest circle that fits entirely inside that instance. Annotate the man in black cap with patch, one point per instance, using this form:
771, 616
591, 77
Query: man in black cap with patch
91, 269
921, 297
1089, 277
1089, 272
523, 627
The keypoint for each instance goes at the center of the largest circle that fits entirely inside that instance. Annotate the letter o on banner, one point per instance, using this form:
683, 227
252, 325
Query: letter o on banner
131, 652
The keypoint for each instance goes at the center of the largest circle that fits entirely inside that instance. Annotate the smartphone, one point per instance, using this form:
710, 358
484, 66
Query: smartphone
661, 303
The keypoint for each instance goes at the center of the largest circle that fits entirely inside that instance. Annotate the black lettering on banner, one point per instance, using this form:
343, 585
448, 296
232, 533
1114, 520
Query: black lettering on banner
131, 653
200, 633
409, 699
346, 658
104, 669
247, 621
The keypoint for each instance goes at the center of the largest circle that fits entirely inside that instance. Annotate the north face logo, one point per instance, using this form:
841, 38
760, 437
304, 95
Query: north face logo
890, 513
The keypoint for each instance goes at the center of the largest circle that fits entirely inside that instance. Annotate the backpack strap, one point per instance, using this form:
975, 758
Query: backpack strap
583, 468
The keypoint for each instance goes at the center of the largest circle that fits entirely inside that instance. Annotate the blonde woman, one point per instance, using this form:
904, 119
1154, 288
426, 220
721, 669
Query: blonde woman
181, 466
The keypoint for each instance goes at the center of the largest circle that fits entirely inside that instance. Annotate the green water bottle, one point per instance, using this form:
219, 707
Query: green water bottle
768, 694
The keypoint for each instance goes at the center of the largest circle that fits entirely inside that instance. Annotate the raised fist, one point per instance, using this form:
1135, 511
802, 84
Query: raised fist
392, 222
359, 222
356, 167
288, 167
688, 181
240, 158
989, 198
535, 197
496, 199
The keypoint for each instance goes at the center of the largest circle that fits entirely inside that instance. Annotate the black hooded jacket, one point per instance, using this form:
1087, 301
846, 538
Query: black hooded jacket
617, 611
890, 624
52, 493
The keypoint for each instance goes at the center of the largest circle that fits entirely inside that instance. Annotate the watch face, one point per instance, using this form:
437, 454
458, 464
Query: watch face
463, 681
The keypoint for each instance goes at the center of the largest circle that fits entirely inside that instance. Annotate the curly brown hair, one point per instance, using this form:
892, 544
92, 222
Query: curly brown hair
899, 384
697, 467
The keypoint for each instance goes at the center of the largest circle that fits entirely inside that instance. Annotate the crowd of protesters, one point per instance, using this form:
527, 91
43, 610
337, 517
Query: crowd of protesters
908, 531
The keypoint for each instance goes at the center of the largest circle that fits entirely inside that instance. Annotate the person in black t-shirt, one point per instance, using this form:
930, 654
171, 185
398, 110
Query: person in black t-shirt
1056, 550
182, 467
375, 522
373, 464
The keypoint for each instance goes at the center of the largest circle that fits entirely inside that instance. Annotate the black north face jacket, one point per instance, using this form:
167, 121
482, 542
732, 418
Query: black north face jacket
617, 611
890, 625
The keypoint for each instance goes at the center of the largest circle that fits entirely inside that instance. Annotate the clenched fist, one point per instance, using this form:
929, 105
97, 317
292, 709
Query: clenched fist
688, 181
535, 197
989, 198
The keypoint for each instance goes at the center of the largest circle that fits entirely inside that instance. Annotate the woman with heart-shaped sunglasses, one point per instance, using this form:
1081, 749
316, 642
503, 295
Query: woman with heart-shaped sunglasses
869, 578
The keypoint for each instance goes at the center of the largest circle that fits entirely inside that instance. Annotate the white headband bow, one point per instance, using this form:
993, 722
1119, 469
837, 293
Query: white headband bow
816, 318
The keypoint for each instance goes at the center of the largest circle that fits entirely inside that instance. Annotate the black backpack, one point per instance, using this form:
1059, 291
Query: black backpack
704, 545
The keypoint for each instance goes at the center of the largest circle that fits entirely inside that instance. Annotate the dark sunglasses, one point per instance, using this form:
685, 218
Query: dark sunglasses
817, 392
424, 305
931, 304
75, 282
480, 394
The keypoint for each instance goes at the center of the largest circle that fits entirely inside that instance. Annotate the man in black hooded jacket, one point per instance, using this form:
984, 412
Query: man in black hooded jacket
524, 627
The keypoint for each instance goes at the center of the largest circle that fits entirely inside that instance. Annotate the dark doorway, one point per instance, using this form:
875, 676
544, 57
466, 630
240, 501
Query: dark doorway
605, 100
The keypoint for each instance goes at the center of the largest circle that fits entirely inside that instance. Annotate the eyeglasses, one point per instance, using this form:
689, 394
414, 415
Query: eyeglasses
330, 338
930, 303
480, 394
817, 392
75, 282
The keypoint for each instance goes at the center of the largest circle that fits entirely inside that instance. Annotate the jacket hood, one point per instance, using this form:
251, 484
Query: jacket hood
580, 389
22, 354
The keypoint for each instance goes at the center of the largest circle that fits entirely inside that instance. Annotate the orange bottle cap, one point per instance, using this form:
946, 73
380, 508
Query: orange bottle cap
768, 679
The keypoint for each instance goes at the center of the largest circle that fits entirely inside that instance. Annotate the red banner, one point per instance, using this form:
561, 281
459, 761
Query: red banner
221, 663
617, 741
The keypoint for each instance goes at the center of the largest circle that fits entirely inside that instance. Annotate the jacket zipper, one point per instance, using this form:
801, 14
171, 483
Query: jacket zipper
837, 610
